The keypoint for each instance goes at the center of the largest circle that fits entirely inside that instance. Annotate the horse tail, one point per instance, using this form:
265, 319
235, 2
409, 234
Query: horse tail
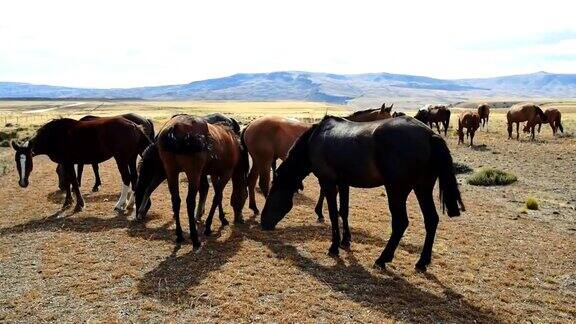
189, 143
541, 114
244, 152
151, 132
442, 163
559, 122
235, 126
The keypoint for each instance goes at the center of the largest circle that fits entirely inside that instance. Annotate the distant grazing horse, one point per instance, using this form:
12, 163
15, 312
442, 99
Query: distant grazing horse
269, 138
399, 153
553, 117
147, 127
68, 142
197, 148
434, 115
524, 113
484, 113
152, 174
470, 121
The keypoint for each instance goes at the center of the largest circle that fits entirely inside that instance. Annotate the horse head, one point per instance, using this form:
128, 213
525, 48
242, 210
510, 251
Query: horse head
23, 158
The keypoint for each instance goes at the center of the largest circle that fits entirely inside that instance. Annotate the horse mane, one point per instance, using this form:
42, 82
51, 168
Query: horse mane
360, 112
297, 165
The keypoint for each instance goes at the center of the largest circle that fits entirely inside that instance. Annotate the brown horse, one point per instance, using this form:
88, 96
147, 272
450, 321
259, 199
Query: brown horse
434, 115
68, 142
470, 121
484, 113
197, 148
147, 127
269, 138
524, 113
553, 117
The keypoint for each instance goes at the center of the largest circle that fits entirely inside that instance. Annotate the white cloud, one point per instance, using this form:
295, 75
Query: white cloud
131, 43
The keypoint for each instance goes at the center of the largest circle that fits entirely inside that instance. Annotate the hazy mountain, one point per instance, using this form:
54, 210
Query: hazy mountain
326, 87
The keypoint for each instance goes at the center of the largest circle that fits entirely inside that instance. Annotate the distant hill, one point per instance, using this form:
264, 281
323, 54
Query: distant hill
326, 87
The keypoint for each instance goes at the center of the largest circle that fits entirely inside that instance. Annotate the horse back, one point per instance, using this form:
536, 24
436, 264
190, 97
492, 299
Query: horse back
273, 136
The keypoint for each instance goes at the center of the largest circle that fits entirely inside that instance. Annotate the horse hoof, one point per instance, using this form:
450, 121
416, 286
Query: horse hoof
345, 246
95, 189
118, 210
207, 232
78, 209
225, 222
320, 220
420, 267
196, 247
256, 211
333, 252
179, 239
380, 265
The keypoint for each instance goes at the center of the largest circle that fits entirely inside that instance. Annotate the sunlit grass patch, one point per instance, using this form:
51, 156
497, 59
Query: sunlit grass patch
491, 177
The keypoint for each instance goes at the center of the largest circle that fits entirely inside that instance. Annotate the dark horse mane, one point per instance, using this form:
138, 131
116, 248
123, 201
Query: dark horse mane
360, 112
297, 165
540, 113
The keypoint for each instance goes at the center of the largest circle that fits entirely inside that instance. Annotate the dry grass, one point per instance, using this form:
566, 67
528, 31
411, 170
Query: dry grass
493, 264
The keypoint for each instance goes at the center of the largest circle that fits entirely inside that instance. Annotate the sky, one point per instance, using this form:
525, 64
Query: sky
143, 43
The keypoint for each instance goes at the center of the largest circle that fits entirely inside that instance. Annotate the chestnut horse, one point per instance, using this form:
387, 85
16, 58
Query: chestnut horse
269, 138
434, 115
527, 112
151, 173
553, 117
68, 142
195, 147
470, 121
484, 113
147, 127
400, 154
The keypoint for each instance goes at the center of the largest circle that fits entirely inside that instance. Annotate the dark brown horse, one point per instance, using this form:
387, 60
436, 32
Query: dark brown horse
269, 138
399, 153
68, 142
195, 147
484, 113
147, 127
470, 121
151, 173
524, 113
434, 115
553, 117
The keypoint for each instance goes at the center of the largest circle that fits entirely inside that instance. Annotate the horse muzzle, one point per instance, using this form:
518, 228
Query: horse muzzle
23, 183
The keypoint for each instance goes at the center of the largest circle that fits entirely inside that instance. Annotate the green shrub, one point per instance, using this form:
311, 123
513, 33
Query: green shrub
460, 168
8, 135
491, 177
531, 203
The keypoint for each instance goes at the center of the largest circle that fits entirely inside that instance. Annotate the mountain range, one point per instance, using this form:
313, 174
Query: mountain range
325, 87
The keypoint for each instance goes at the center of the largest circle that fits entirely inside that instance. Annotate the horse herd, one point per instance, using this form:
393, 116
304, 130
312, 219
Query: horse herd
366, 149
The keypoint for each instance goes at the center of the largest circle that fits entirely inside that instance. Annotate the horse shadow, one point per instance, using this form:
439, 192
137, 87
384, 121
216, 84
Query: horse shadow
301, 199
480, 148
57, 197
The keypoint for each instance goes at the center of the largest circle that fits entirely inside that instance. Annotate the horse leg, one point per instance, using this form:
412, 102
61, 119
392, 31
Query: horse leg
193, 185
274, 160
533, 132
330, 192
445, 123
517, 130
67, 183
426, 201
438, 128
264, 180
175, 199
239, 194
125, 174
97, 183
62, 183
80, 168
344, 192
133, 179
204, 186
218, 185
472, 133
319, 205
69, 168
252, 178
397, 204
509, 130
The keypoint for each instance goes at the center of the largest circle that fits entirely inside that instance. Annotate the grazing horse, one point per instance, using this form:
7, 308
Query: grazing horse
269, 138
68, 142
470, 121
484, 113
197, 148
147, 127
399, 153
434, 115
524, 113
553, 117
151, 173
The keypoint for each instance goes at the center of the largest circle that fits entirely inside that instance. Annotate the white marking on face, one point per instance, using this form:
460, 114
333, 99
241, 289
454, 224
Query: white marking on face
26, 144
22, 164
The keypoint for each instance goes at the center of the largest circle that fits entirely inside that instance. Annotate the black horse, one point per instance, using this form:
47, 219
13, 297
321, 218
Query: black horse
152, 174
67, 141
147, 127
400, 153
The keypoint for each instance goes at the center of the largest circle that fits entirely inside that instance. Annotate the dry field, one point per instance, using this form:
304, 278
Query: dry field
495, 263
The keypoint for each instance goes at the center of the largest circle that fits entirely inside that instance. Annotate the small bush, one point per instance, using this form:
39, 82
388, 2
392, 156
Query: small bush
491, 177
531, 203
8, 135
460, 168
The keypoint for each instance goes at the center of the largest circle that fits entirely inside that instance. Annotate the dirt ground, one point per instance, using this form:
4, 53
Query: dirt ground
495, 263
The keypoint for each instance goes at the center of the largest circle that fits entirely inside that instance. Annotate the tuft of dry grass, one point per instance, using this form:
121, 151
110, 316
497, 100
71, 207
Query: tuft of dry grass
491, 177
531, 203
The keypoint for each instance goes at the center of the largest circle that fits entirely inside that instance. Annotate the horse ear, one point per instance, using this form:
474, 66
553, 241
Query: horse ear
383, 108
15, 145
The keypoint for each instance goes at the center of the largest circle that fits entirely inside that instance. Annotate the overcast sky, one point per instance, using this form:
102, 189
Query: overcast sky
135, 43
